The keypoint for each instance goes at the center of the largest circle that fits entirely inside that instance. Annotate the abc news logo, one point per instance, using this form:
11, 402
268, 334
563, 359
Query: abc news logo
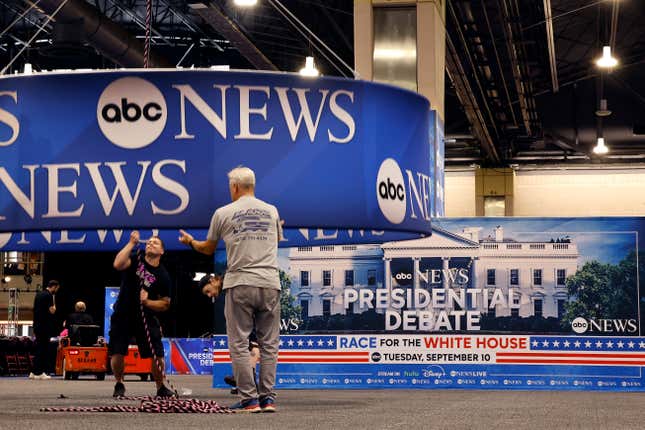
390, 191
387, 190
403, 278
131, 112
581, 325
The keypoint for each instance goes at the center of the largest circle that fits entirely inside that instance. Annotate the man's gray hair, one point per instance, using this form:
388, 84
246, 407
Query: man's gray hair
242, 176
79, 307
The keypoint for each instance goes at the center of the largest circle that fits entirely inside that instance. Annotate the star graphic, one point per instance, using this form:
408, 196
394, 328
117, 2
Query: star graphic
320, 342
610, 344
281, 342
556, 343
330, 342
534, 343
630, 344
620, 344
222, 343
566, 343
545, 343
599, 344
290, 343
300, 342
587, 344
641, 344
310, 342
576, 344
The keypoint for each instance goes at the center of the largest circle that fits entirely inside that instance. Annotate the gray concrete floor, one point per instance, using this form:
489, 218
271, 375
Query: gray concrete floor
21, 400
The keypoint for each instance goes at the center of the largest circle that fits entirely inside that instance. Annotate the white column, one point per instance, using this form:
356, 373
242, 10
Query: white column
445, 267
473, 278
387, 277
415, 279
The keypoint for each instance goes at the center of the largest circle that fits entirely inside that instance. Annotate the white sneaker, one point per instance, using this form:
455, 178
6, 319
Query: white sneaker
31, 375
43, 376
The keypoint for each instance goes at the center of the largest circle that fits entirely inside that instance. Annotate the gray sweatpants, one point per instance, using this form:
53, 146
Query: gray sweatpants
246, 305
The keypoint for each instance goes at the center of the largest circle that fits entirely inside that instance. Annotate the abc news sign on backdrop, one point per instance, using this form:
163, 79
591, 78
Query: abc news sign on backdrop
152, 149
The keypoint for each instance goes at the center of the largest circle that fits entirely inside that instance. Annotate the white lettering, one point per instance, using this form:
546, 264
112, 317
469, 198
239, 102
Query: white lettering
342, 115
55, 189
27, 203
421, 200
121, 186
305, 114
171, 186
218, 122
10, 119
246, 111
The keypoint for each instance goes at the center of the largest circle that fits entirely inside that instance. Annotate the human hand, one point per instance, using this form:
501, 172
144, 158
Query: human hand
185, 238
134, 237
143, 296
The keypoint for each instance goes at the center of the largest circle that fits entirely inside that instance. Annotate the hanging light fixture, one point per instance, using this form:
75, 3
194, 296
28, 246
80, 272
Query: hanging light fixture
245, 3
606, 61
310, 68
600, 147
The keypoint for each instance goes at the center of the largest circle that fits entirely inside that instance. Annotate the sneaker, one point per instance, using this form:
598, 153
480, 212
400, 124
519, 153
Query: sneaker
267, 404
250, 405
42, 376
119, 390
164, 392
31, 375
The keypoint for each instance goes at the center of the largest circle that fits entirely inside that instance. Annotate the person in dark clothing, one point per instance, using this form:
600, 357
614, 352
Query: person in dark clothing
44, 327
78, 321
145, 284
79, 316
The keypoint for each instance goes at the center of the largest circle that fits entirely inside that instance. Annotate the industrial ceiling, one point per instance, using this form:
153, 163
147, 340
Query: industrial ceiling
522, 88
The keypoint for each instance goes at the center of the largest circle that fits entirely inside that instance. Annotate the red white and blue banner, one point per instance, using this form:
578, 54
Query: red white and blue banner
453, 361
517, 303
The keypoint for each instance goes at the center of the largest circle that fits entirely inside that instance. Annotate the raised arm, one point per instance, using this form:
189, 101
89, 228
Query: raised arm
202, 246
122, 259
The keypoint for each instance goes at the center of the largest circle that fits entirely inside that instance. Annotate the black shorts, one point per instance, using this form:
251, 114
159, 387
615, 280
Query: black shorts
124, 327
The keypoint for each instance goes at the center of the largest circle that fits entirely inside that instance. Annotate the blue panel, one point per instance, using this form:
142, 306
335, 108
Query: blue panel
150, 149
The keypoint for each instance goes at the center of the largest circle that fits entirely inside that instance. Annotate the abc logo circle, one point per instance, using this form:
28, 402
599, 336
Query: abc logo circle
131, 112
390, 191
579, 325
403, 278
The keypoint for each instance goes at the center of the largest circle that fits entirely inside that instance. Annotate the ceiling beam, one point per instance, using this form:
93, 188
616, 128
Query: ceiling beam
548, 21
223, 25
469, 101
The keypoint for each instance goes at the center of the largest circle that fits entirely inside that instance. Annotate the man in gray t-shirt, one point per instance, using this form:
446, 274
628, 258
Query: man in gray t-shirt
251, 230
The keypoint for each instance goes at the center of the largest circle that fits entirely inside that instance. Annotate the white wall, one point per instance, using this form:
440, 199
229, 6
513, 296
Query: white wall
460, 193
581, 191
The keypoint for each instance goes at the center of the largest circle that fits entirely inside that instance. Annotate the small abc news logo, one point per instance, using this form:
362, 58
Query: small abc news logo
390, 191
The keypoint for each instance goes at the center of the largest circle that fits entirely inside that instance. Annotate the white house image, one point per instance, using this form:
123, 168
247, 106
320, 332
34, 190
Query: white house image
535, 271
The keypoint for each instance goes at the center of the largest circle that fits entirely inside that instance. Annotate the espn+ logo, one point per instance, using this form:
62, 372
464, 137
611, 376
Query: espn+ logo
131, 112
390, 191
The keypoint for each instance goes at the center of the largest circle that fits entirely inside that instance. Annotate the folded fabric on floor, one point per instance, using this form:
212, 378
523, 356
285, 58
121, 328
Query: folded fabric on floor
152, 405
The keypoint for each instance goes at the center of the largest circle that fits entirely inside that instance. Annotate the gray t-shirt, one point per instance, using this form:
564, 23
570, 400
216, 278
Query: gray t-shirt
251, 230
